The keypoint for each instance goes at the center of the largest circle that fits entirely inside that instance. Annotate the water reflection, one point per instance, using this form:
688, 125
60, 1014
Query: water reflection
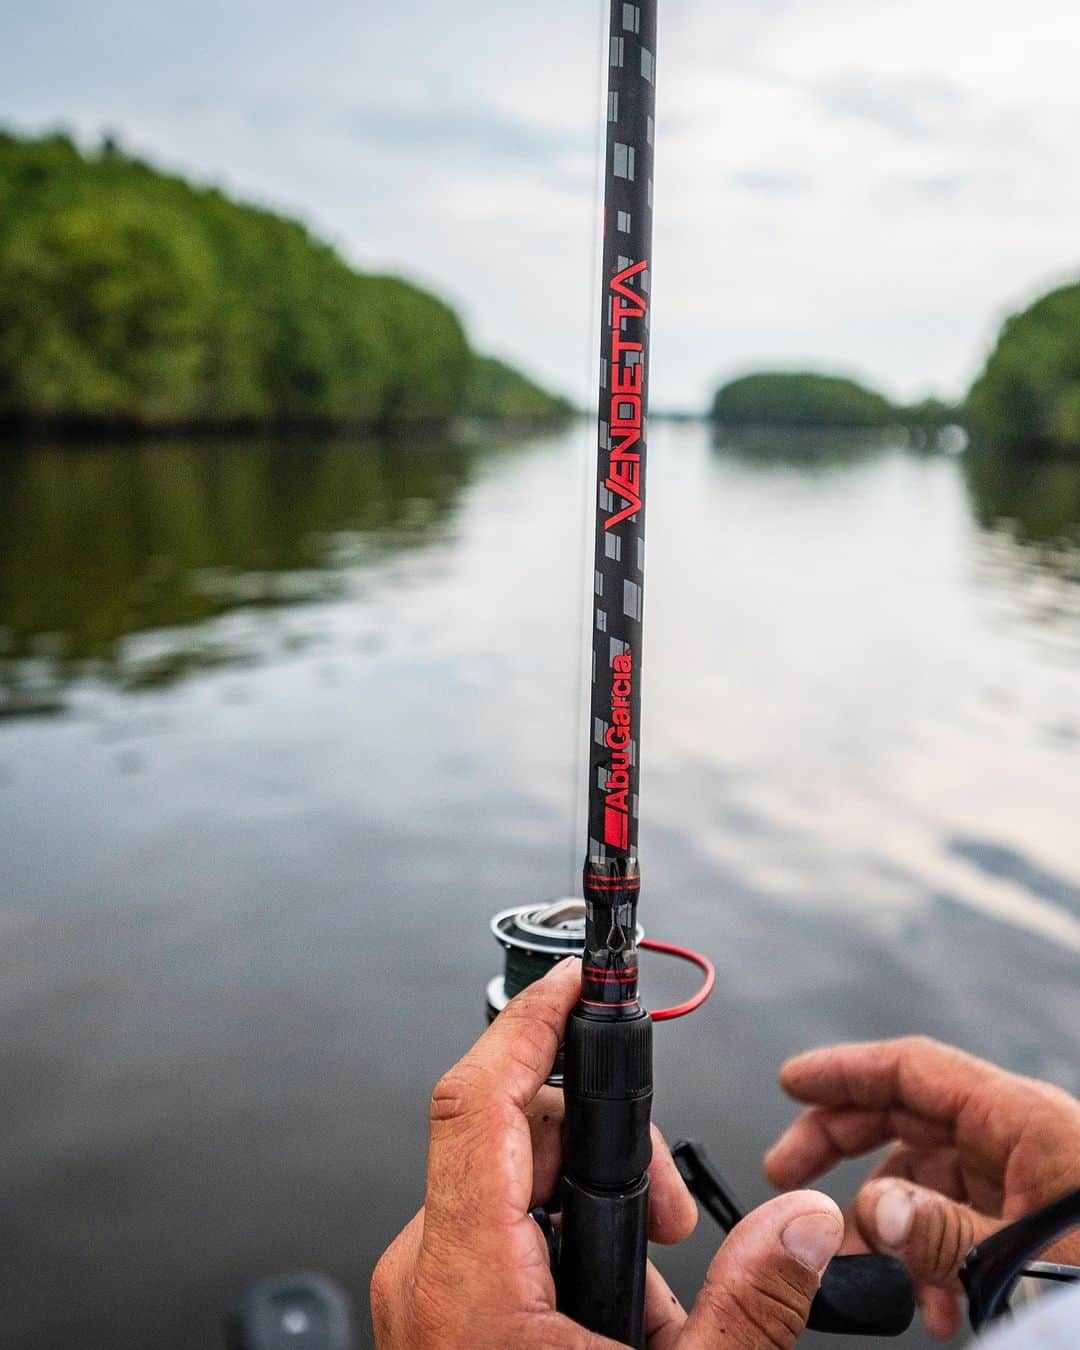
1028, 512
104, 543
811, 451
217, 975
1035, 503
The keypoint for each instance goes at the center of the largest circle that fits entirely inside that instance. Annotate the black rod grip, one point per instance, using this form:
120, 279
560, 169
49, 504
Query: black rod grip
607, 1149
602, 1259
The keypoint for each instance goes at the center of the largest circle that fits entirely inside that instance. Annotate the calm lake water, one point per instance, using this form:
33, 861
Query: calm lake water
284, 724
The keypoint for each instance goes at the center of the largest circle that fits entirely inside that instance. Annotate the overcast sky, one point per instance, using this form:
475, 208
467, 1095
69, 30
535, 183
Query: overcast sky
863, 185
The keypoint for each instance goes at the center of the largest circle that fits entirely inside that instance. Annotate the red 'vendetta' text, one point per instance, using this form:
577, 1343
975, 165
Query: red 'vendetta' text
627, 395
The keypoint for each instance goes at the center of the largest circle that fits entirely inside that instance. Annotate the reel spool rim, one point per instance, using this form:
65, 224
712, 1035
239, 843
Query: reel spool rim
544, 940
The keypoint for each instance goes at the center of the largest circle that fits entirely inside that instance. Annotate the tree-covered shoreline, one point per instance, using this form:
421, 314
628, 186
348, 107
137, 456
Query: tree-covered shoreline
1025, 401
1027, 397
811, 400
130, 299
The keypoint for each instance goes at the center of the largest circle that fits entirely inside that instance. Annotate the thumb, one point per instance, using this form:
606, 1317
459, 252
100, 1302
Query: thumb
763, 1279
930, 1233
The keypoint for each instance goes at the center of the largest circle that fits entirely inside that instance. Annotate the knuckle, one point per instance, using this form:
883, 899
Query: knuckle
454, 1096
963, 1238
447, 1099
949, 1236
766, 1309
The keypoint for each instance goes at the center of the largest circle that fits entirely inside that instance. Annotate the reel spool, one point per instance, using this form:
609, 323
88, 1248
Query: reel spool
535, 938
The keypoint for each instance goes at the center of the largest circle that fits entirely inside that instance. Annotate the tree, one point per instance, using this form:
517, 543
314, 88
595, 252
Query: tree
1028, 395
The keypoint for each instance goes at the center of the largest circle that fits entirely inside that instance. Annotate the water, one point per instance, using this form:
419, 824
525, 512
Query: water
284, 724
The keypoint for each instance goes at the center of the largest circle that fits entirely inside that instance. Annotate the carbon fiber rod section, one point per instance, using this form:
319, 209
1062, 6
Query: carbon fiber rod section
611, 878
607, 1084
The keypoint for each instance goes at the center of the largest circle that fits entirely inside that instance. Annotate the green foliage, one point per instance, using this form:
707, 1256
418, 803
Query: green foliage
1028, 395
495, 390
104, 542
1035, 501
931, 414
800, 399
129, 295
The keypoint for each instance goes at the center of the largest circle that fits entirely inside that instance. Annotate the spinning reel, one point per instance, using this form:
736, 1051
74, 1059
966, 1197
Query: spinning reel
867, 1295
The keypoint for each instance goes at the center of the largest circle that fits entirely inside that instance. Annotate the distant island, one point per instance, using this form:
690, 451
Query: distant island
1027, 398
799, 399
810, 400
128, 297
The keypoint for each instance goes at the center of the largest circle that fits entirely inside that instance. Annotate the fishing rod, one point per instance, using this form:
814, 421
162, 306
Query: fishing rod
608, 1065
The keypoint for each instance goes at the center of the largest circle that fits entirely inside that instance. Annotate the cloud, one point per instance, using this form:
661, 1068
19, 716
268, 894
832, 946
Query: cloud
482, 133
867, 186
938, 186
910, 108
772, 183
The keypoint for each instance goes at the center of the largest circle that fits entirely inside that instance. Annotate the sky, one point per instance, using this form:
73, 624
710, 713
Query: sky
866, 186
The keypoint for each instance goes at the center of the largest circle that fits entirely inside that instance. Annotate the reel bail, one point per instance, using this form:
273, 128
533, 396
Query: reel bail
537, 937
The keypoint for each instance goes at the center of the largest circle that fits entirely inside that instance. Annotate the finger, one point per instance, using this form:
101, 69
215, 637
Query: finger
545, 1114
940, 1310
915, 1073
480, 1155
823, 1136
898, 1162
937, 1169
552, 1330
665, 1316
763, 1279
673, 1212
930, 1233
513, 1058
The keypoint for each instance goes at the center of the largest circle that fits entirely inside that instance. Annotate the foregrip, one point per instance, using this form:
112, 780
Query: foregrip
606, 1153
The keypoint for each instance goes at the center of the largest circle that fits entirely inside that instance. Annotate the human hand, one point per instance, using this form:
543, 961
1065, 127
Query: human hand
471, 1269
975, 1147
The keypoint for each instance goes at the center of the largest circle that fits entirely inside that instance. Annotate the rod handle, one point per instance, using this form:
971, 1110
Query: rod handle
867, 1295
602, 1259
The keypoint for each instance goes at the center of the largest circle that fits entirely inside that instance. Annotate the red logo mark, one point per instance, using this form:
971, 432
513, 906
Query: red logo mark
617, 787
627, 396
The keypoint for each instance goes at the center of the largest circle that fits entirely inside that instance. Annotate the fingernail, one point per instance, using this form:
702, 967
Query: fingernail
813, 1239
893, 1216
